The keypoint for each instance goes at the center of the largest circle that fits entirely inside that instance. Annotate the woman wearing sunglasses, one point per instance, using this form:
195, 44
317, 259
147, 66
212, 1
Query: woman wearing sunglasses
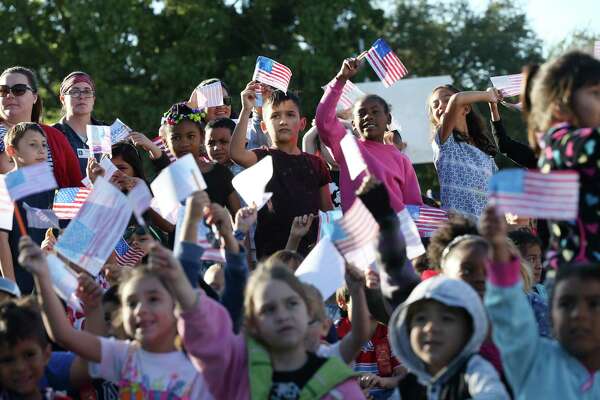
20, 102
213, 113
77, 95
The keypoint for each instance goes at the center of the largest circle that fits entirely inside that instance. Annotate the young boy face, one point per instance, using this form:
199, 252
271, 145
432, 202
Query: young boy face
467, 263
31, 149
282, 122
22, 366
533, 255
438, 333
576, 317
217, 144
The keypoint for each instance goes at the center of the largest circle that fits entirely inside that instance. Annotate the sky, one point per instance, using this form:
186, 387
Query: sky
553, 20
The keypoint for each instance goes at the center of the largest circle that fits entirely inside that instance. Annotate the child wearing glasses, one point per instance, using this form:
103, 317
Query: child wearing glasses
20, 102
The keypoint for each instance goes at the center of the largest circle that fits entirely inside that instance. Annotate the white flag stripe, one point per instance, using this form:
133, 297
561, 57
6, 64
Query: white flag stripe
29, 180
210, 95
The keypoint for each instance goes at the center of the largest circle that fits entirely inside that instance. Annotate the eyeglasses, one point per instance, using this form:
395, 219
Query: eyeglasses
86, 93
227, 100
17, 90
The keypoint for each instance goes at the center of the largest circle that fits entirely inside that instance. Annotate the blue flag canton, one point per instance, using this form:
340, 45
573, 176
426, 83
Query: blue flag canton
75, 239
121, 247
338, 232
15, 178
382, 48
66, 195
414, 211
264, 63
509, 181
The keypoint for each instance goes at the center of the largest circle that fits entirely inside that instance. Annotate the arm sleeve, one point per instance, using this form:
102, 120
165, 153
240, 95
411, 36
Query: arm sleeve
516, 151
236, 275
514, 326
483, 381
161, 163
212, 346
189, 255
114, 355
331, 131
411, 192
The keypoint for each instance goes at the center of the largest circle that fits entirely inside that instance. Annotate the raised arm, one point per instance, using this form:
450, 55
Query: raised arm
6, 264
456, 105
359, 334
237, 149
330, 129
59, 329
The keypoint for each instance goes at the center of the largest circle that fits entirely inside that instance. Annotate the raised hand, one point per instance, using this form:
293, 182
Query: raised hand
219, 217
355, 278
301, 225
349, 68
245, 218
197, 204
89, 292
162, 261
31, 256
94, 170
248, 95
494, 94
493, 228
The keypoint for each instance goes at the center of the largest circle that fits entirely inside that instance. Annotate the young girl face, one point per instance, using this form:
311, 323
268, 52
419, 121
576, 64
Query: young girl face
438, 333
438, 102
147, 311
22, 366
586, 103
467, 263
533, 255
576, 316
371, 119
186, 138
31, 149
280, 315
123, 166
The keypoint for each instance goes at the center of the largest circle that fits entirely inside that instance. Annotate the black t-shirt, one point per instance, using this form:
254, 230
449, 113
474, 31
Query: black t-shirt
296, 184
218, 182
288, 385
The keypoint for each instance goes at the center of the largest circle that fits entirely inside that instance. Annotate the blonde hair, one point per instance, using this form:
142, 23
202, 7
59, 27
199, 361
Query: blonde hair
265, 273
315, 302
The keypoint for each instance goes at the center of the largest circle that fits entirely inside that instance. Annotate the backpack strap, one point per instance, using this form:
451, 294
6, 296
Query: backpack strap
457, 387
325, 380
260, 370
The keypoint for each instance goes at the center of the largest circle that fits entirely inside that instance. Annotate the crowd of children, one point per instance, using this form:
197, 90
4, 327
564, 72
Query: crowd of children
493, 310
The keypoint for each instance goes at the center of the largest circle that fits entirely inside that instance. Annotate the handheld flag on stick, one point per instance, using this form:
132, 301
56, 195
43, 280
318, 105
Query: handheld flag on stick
350, 94
99, 139
210, 95
536, 195
119, 131
272, 73
508, 85
163, 147
127, 255
30, 180
385, 63
427, 218
68, 201
39, 218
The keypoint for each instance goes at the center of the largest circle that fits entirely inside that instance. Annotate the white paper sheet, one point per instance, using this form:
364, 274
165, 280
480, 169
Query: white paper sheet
323, 267
251, 182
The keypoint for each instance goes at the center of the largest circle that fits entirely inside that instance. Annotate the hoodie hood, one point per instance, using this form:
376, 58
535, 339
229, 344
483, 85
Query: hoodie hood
453, 293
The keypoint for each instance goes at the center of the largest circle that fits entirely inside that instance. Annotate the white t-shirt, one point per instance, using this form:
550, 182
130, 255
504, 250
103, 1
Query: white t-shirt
330, 350
151, 375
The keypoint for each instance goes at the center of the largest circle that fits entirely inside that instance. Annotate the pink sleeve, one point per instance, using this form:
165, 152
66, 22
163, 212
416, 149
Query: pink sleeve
208, 337
504, 274
348, 389
331, 131
411, 193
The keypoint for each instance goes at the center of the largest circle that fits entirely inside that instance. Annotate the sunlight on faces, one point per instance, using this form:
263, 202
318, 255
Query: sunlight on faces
123, 166
467, 262
370, 119
32, 148
282, 122
279, 315
215, 278
438, 102
78, 105
148, 313
438, 332
576, 316
23, 365
186, 138
218, 141
13, 108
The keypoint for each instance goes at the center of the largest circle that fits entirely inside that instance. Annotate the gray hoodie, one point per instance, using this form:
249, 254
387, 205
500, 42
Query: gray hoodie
482, 379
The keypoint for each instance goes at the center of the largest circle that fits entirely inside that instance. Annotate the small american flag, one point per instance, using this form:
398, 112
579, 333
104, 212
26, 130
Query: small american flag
163, 147
127, 255
597, 49
427, 218
350, 94
358, 228
210, 95
554, 195
272, 73
385, 63
68, 201
508, 85
29, 180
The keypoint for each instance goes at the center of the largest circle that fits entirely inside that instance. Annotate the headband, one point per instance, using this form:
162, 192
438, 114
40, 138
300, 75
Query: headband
181, 112
73, 78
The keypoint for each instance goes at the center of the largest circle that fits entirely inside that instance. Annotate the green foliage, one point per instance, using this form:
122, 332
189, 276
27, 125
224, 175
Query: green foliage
145, 55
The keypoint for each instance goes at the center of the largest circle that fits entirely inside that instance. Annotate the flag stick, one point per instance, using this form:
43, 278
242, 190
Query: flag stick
362, 55
20, 222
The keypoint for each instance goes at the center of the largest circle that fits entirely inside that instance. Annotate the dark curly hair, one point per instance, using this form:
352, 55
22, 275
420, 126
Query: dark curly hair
21, 320
457, 225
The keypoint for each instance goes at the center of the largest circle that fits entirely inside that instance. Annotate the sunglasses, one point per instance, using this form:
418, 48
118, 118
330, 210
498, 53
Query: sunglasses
17, 90
227, 100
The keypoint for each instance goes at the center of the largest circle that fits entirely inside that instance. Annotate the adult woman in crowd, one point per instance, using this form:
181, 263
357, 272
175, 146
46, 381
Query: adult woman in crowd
20, 102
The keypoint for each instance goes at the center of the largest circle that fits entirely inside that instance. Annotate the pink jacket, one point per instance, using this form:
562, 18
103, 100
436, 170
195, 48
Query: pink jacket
222, 356
384, 161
